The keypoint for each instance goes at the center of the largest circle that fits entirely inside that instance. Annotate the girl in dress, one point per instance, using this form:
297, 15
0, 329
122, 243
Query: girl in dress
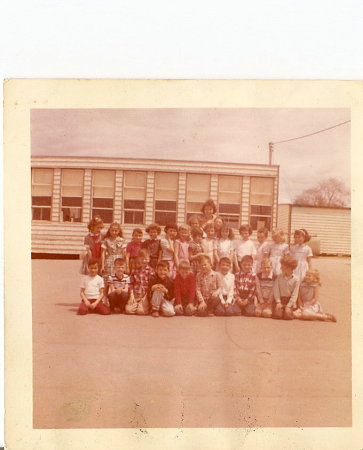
278, 249
225, 245
308, 304
113, 247
301, 252
182, 245
218, 225
132, 249
243, 246
168, 247
92, 243
262, 248
209, 243
195, 249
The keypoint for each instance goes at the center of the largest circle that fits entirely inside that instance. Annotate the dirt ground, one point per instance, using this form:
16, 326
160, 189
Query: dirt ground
124, 372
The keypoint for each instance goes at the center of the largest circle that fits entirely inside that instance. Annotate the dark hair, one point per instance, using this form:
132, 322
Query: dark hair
95, 221
263, 230
163, 264
230, 232
92, 262
288, 261
246, 258
113, 224
153, 226
169, 226
136, 231
304, 233
205, 258
225, 260
196, 232
245, 228
119, 261
210, 203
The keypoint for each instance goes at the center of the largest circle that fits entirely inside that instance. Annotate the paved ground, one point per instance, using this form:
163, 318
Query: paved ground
120, 371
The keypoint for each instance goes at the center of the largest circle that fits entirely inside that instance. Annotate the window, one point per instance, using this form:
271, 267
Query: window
72, 193
198, 191
229, 199
166, 194
42, 189
261, 200
134, 197
103, 190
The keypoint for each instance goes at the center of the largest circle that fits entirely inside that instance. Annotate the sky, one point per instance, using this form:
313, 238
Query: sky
205, 134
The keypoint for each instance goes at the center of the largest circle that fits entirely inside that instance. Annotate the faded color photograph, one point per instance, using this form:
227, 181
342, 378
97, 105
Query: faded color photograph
191, 268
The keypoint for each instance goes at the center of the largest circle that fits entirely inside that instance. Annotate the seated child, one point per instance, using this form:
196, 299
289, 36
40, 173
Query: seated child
245, 288
309, 307
152, 245
118, 286
161, 291
225, 304
208, 287
264, 289
184, 289
140, 277
286, 289
92, 288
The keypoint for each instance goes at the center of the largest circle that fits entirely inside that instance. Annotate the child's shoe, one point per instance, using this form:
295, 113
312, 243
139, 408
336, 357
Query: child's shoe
330, 318
155, 314
267, 313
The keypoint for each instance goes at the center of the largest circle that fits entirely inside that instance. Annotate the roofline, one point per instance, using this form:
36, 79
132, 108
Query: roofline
153, 159
314, 206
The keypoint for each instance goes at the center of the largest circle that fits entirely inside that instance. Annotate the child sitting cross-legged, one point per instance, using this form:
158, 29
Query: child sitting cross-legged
208, 287
161, 291
225, 305
245, 288
286, 289
92, 291
184, 290
140, 277
118, 286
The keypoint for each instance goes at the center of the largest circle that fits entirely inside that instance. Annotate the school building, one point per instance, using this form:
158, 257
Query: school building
68, 191
328, 226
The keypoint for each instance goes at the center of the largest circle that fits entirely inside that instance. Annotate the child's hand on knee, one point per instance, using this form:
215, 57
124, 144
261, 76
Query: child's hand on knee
178, 308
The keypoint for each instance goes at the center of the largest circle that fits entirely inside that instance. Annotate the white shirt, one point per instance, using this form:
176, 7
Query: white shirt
244, 248
92, 286
227, 286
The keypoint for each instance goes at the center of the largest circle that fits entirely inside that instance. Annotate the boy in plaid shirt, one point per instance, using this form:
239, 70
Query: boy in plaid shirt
208, 287
245, 288
140, 278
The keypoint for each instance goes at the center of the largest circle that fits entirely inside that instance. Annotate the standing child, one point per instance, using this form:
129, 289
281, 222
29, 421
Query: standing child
245, 288
262, 248
92, 243
152, 245
264, 289
161, 291
92, 288
113, 247
140, 277
184, 290
168, 247
118, 286
308, 304
286, 289
208, 287
244, 246
132, 249
301, 252
182, 245
209, 243
225, 245
218, 225
195, 249
278, 249
194, 222
226, 295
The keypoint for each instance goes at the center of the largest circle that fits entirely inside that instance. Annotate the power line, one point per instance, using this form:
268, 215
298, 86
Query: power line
311, 134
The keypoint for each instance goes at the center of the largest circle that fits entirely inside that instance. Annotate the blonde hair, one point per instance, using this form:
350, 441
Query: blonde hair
315, 275
266, 262
278, 232
184, 265
184, 227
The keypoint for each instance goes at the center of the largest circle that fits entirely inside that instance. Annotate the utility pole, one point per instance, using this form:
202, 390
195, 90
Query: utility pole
270, 150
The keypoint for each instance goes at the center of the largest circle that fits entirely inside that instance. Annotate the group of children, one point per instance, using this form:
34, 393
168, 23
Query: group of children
199, 269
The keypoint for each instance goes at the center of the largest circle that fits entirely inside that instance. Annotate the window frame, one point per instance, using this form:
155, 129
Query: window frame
77, 207
133, 210
96, 209
170, 211
42, 208
226, 216
257, 216
192, 213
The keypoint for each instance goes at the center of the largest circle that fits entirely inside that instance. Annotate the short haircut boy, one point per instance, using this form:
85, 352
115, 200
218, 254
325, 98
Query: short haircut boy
197, 232
119, 262
153, 226
137, 231
246, 258
263, 230
205, 258
169, 226
184, 265
289, 261
225, 260
247, 228
162, 264
92, 262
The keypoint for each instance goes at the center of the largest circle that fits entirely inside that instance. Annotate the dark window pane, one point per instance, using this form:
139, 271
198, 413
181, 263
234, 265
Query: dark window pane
45, 213
229, 208
106, 214
71, 201
258, 222
162, 218
261, 210
103, 203
41, 201
134, 217
134, 204
41, 213
165, 205
72, 214
232, 221
36, 213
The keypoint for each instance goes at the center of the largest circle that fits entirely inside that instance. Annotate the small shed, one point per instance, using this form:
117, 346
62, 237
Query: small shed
328, 226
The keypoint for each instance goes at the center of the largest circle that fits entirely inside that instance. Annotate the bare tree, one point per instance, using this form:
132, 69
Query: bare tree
330, 192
